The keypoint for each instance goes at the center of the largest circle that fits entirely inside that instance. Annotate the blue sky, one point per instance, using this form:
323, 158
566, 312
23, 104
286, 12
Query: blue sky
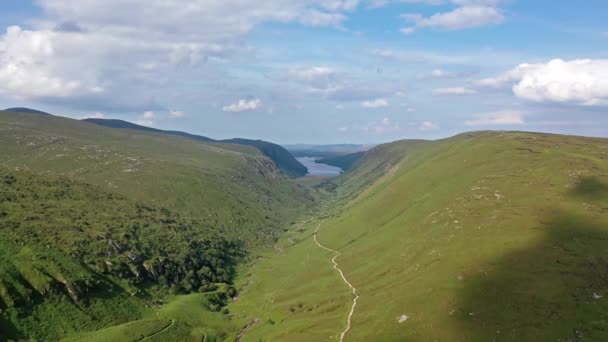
312, 71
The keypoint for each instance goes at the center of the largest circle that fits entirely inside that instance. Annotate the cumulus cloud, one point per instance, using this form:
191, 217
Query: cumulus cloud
580, 81
243, 106
454, 91
96, 51
146, 119
31, 66
428, 126
470, 15
506, 117
377, 103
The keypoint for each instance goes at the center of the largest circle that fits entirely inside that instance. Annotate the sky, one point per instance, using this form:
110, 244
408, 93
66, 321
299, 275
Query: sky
312, 71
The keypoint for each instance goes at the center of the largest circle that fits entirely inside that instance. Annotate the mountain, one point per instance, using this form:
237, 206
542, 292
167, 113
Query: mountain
281, 157
114, 123
102, 226
484, 236
284, 160
345, 162
25, 110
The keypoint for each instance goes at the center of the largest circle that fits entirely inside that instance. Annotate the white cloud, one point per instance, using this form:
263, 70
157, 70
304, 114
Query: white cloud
454, 91
507, 117
468, 16
310, 73
377, 103
93, 116
340, 107
146, 119
440, 73
243, 106
29, 66
174, 114
428, 126
108, 51
580, 81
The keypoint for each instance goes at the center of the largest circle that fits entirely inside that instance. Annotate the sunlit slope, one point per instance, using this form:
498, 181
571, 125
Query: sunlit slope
232, 187
484, 236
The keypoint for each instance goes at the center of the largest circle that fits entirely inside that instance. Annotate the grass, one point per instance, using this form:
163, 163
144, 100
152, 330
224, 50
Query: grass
484, 236
232, 187
98, 226
183, 318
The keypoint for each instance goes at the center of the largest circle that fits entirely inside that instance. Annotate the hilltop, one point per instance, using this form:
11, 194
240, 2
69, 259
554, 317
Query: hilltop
280, 156
483, 236
25, 110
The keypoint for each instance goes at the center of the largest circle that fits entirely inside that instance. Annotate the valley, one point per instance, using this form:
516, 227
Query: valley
303, 171
129, 235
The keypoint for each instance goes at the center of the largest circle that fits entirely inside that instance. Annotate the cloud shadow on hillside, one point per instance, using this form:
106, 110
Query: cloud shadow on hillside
591, 188
555, 290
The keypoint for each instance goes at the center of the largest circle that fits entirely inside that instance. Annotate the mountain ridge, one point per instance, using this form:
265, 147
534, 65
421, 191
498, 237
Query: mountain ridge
279, 155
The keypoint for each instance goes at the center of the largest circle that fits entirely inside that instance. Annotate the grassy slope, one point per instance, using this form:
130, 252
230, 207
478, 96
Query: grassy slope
484, 236
284, 160
232, 187
73, 257
280, 156
345, 162
228, 190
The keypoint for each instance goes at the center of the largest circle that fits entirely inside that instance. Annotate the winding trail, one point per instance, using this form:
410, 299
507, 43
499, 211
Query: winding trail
145, 338
246, 329
337, 268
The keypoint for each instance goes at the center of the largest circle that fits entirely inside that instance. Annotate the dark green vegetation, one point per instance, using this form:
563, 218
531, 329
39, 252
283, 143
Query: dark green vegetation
100, 226
486, 236
280, 156
345, 162
74, 246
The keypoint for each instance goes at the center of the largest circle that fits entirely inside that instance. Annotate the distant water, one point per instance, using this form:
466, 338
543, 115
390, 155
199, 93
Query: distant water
316, 169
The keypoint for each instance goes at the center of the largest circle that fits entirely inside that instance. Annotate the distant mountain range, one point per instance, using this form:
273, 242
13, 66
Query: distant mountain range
325, 151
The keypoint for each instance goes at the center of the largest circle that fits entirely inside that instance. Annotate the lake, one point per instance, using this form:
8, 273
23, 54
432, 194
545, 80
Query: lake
316, 169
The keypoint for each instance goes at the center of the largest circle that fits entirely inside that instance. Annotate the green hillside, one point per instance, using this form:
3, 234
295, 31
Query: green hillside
489, 236
345, 162
100, 227
284, 160
232, 186
74, 257
280, 156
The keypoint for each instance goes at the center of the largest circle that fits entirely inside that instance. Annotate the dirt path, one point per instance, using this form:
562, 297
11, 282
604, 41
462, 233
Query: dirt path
246, 329
337, 268
159, 332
